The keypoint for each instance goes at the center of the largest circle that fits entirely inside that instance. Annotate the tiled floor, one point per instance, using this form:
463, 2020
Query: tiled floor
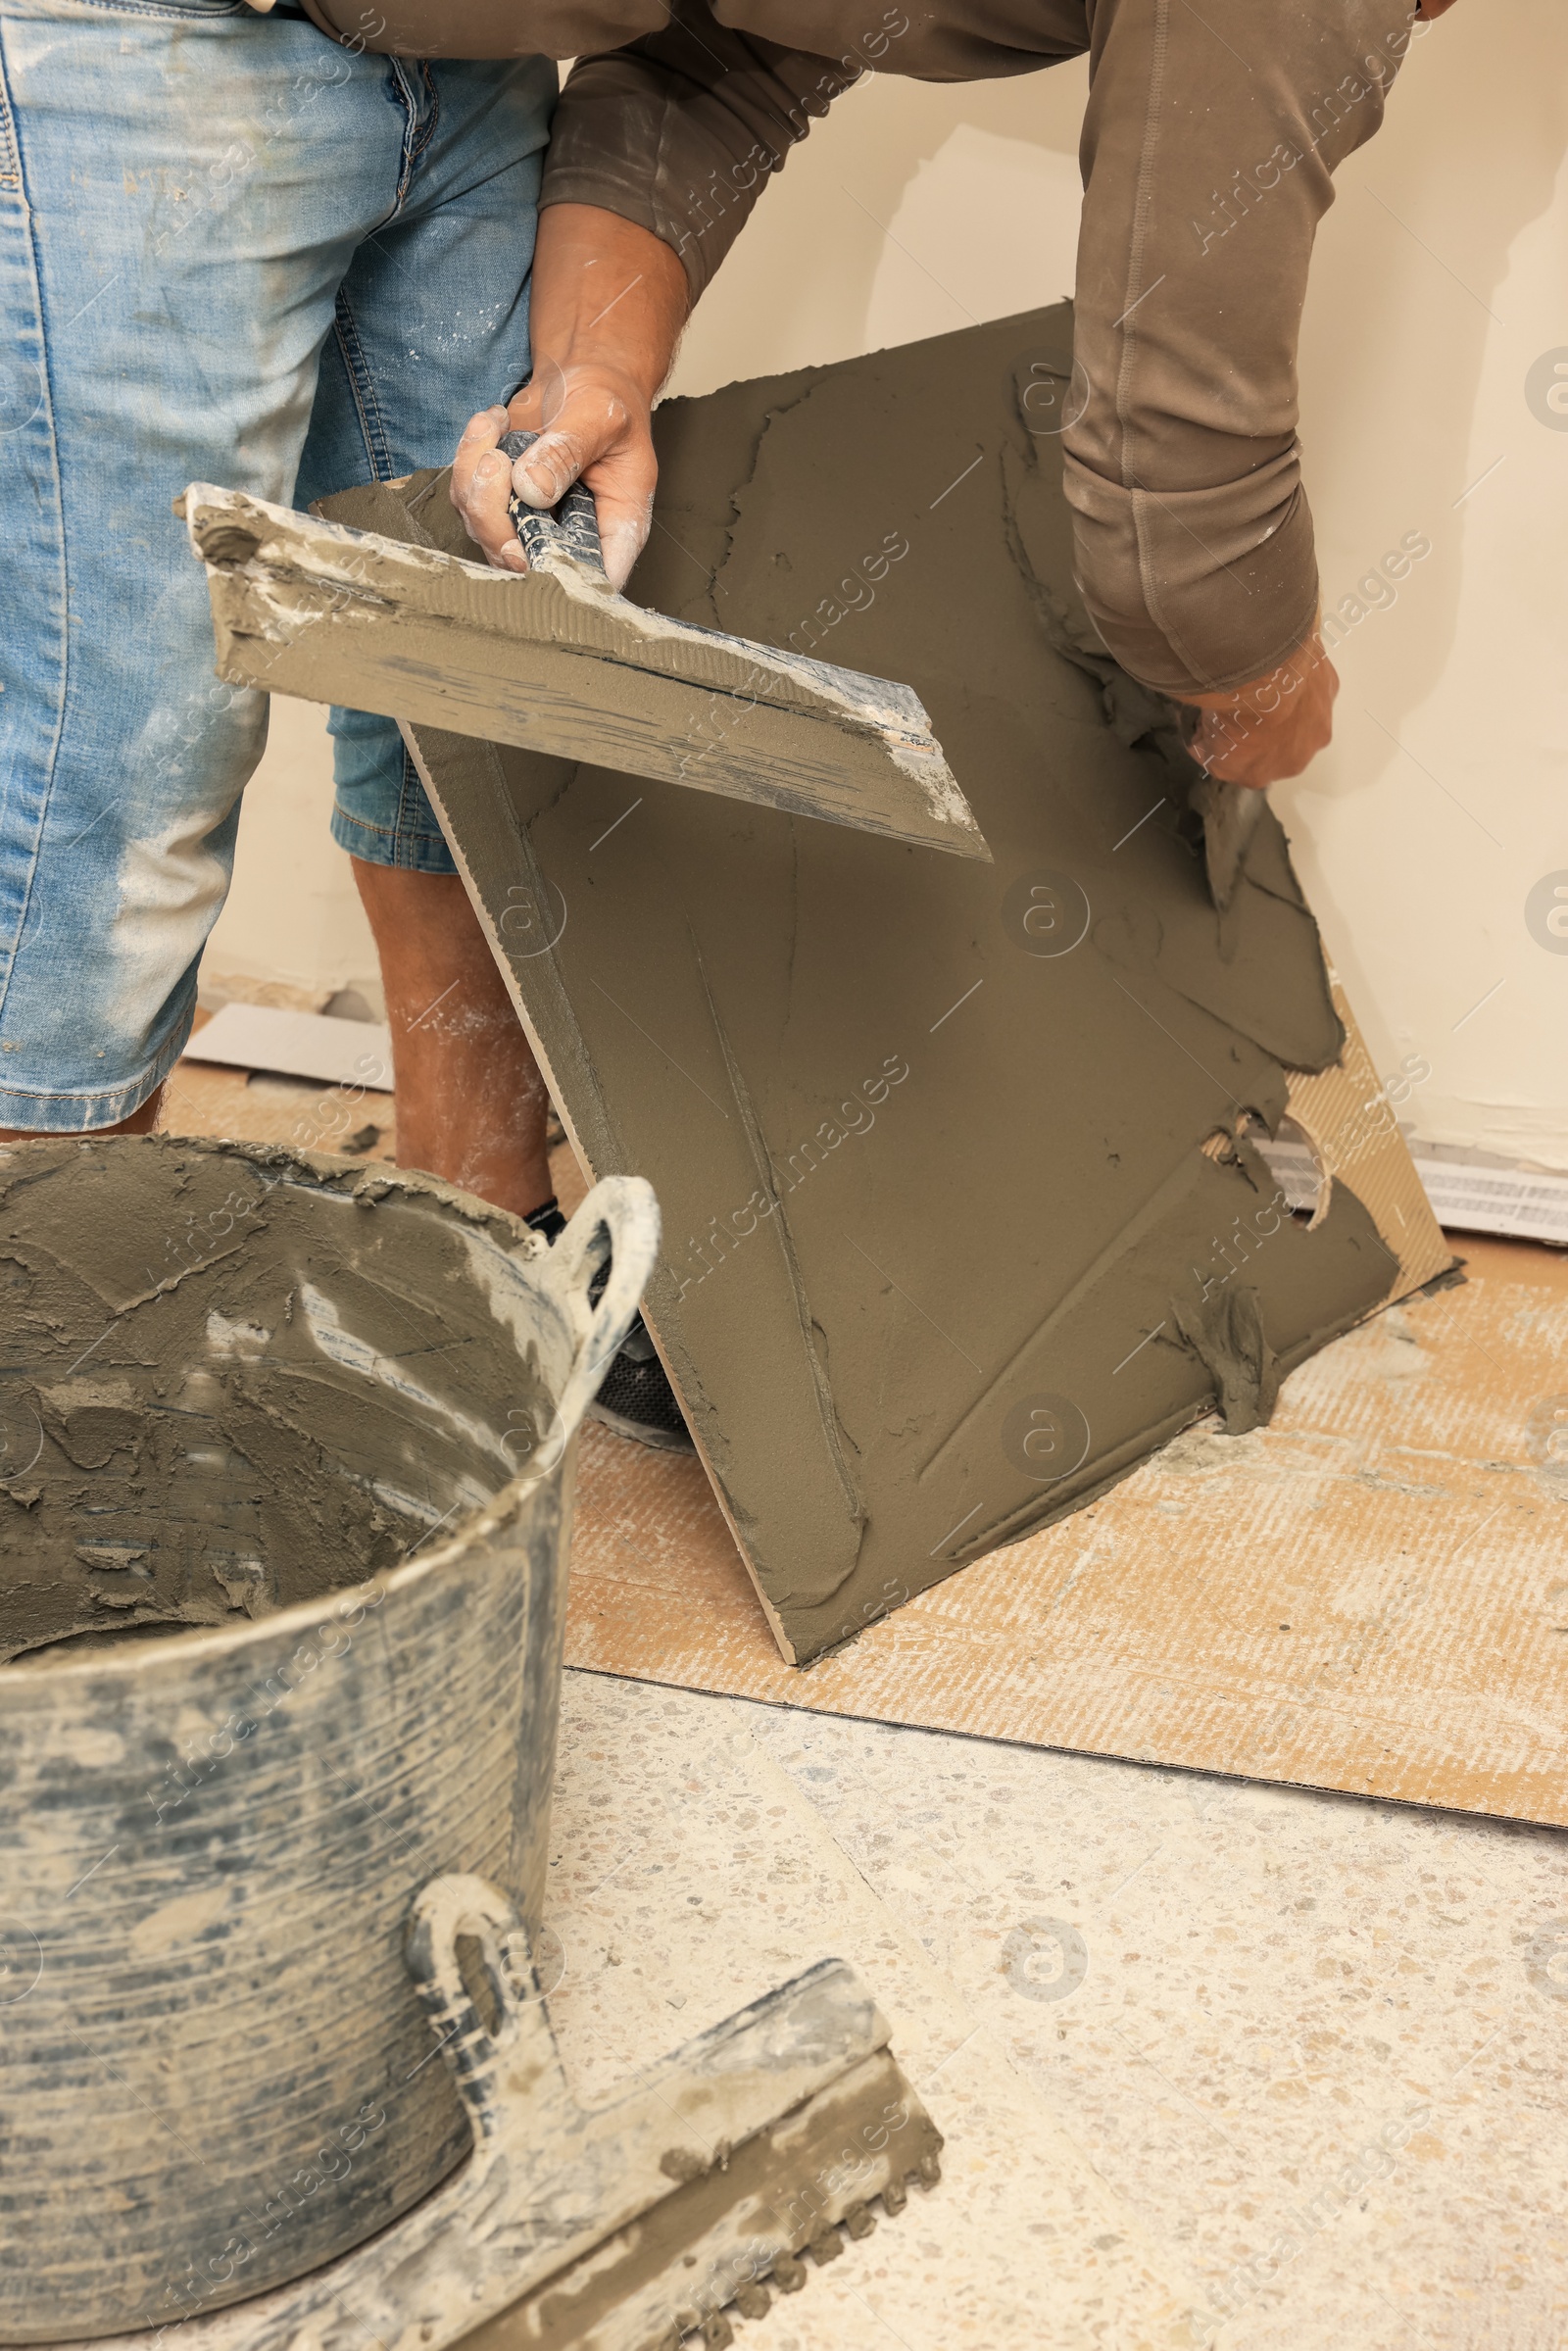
1215, 2063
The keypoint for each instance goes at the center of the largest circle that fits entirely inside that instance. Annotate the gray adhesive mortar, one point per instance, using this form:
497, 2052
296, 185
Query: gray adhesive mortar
944, 1252
225, 1391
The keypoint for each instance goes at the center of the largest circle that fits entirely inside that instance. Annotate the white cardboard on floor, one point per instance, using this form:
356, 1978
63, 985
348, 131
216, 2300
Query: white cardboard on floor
297, 1044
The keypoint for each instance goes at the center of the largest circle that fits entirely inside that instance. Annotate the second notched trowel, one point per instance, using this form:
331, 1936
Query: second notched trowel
554, 661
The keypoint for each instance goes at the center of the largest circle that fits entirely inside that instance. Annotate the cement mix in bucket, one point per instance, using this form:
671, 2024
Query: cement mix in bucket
225, 1393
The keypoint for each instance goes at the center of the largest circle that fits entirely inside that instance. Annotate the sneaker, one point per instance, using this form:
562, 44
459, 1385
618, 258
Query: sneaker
635, 1397
636, 1400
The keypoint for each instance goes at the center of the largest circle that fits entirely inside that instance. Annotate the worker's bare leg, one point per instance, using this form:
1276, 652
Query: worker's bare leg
472, 1105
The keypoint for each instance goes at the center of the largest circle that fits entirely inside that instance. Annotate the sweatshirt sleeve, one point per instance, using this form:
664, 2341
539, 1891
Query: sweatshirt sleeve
680, 131
1207, 152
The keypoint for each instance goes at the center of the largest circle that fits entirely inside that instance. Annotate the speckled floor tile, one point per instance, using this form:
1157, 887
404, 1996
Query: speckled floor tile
1218, 2063
691, 1872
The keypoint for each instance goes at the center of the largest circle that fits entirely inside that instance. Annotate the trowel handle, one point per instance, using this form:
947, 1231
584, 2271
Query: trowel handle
570, 528
445, 1911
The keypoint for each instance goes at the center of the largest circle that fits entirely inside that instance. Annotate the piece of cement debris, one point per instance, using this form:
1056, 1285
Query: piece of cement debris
1225, 1332
929, 1137
364, 1139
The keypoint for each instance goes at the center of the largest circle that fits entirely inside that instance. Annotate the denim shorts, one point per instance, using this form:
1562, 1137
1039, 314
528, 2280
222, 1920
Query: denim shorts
229, 252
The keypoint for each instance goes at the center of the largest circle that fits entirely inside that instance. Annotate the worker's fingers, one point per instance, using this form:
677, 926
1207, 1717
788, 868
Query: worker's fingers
1234, 757
546, 472
594, 429
623, 486
482, 489
624, 523
1272, 729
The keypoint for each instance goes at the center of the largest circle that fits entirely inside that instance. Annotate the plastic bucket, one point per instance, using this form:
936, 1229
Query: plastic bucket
284, 1507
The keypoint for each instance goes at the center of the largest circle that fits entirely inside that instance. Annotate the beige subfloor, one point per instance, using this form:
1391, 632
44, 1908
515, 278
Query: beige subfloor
1216, 2063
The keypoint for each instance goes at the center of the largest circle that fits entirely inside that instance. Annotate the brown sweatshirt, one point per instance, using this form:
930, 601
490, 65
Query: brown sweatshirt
1207, 147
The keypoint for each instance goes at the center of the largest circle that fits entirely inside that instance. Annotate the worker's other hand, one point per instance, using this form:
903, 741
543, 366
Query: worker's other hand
608, 301
1260, 733
593, 428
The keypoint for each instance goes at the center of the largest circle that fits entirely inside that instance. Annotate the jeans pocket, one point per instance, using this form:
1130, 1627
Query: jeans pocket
21, 309
10, 154
178, 8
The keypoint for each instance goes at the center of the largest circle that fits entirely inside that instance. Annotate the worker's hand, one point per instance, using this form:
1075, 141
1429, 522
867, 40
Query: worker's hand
1259, 734
607, 304
593, 426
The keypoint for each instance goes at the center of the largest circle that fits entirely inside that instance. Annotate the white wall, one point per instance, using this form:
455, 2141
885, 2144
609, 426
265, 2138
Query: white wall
293, 931
1442, 276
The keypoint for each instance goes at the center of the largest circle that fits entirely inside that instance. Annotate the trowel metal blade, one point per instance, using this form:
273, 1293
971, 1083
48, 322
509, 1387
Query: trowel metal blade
731, 2237
1230, 815
553, 660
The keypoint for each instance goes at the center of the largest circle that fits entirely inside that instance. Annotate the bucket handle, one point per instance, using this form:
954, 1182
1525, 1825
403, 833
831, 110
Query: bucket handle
521, 2048
618, 1219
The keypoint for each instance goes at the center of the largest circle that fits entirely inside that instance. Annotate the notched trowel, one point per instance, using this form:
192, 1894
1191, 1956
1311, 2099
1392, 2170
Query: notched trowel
640, 2225
555, 661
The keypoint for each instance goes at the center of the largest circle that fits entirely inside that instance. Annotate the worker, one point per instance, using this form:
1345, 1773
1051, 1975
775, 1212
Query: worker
285, 245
